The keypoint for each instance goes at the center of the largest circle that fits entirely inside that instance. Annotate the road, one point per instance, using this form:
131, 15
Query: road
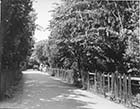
38, 90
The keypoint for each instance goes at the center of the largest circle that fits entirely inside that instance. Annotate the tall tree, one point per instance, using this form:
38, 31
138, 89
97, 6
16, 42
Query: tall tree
94, 33
19, 28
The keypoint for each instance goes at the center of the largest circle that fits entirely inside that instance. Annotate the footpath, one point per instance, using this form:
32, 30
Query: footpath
38, 90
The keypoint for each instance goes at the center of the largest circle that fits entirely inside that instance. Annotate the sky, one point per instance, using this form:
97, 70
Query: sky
42, 8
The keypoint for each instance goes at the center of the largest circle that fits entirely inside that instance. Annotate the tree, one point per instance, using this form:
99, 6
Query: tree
41, 52
94, 34
19, 28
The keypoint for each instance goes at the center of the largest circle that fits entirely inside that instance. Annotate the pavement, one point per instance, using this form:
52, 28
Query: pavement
38, 90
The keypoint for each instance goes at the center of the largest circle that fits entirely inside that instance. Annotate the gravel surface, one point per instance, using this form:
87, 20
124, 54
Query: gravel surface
38, 90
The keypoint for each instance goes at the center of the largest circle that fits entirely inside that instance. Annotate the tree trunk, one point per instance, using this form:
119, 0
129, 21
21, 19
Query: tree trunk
83, 74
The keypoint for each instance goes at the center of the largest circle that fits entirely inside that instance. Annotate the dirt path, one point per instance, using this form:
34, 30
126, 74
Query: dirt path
40, 91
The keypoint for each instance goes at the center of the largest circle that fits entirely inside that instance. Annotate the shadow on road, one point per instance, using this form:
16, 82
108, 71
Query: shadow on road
38, 90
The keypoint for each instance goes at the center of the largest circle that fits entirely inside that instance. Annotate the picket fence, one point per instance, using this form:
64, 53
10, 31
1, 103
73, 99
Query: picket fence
114, 86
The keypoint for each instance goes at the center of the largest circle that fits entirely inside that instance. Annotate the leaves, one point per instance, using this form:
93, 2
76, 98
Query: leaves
19, 28
94, 33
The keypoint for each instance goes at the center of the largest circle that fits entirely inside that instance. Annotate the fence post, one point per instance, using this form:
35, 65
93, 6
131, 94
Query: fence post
53, 71
56, 72
65, 72
103, 84
67, 76
95, 81
98, 82
88, 81
100, 76
120, 86
116, 85
71, 76
129, 89
59, 72
124, 88
112, 84
62, 74
108, 78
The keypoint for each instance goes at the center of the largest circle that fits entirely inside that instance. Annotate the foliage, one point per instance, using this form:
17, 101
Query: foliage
40, 53
89, 35
19, 26
94, 34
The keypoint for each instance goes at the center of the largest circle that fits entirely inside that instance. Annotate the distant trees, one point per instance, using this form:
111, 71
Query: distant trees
40, 53
95, 35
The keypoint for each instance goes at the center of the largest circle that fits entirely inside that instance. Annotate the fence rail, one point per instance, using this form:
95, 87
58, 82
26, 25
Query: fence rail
115, 86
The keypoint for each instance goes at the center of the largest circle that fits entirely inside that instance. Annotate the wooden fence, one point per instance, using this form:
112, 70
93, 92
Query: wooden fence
66, 75
115, 86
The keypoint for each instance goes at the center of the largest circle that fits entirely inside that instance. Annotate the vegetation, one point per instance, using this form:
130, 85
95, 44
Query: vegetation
19, 26
40, 53
17, 29
94, 35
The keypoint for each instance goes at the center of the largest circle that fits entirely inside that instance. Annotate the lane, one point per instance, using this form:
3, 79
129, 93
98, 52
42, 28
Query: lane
41, 91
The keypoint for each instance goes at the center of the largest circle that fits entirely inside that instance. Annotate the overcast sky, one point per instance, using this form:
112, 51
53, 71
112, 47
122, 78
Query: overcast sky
43, 16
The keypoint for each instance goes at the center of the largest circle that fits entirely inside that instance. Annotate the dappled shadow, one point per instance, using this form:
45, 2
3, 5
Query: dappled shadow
78, 96
13, 97
41, 91
51, 92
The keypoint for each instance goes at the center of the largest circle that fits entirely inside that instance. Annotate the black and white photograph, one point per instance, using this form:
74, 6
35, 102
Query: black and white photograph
69, 54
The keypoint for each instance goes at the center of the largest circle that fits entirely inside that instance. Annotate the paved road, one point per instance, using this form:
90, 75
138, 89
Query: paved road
40, 91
